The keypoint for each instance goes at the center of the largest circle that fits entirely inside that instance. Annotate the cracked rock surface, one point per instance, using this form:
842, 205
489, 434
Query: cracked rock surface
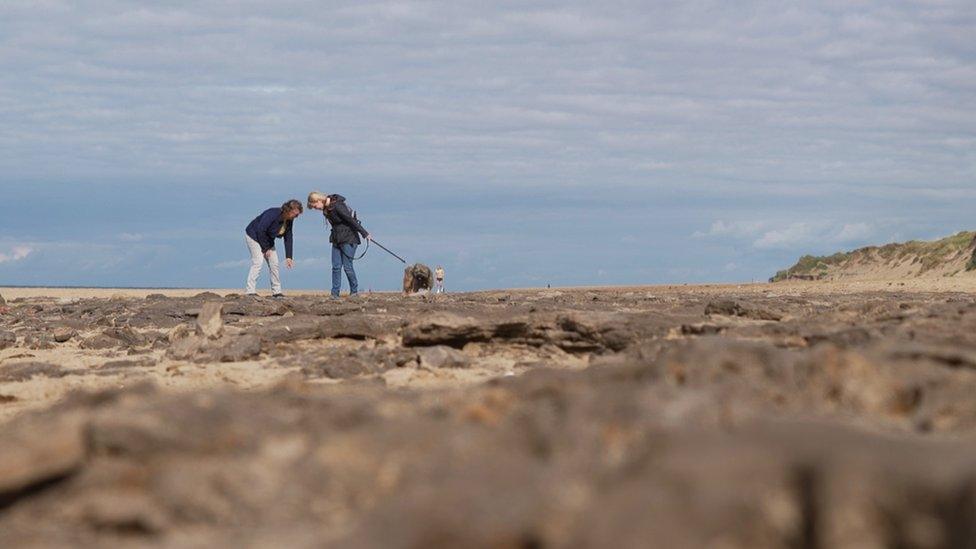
737, 417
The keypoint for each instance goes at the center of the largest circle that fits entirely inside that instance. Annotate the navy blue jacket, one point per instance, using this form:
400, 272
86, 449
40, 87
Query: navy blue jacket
265, 228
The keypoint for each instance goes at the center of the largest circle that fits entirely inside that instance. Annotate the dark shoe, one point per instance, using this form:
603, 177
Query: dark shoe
278, 296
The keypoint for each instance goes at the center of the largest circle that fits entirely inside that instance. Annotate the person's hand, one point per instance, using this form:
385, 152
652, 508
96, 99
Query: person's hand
289, 263
368, 236
267, 254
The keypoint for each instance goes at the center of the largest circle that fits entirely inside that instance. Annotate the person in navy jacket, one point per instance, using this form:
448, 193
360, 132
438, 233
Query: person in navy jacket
260, 237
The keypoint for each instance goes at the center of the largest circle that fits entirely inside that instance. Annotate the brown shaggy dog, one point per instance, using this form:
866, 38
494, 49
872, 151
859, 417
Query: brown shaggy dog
416, 278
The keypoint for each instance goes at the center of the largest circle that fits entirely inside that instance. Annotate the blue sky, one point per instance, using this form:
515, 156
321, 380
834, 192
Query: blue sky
516, 143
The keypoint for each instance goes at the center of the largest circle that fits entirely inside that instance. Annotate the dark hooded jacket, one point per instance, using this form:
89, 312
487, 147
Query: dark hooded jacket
265, 228
345, 227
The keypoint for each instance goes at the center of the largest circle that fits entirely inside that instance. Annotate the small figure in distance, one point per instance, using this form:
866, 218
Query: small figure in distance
439, 280
260, 237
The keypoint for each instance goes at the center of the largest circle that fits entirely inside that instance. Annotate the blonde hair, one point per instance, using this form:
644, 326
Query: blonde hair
316, 196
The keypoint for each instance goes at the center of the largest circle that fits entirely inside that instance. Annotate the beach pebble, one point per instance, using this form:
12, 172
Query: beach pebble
441, 356
7, 340
62, 335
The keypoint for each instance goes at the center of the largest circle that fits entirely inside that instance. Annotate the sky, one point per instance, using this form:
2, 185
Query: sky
516, 143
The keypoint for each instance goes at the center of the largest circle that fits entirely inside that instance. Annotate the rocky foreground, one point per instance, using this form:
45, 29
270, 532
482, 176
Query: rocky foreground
740, 418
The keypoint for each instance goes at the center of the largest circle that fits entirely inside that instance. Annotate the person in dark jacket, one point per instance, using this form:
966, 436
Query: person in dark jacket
260, 237
346, 231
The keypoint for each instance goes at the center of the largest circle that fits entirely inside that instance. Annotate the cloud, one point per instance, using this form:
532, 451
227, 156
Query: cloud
796, 236
722, 228
131, 237
815, 93
96, 261
790, 237
314, 261
853, 232
16, 254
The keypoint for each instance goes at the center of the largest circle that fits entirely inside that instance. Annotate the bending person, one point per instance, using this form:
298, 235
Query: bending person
346, 230
260, 237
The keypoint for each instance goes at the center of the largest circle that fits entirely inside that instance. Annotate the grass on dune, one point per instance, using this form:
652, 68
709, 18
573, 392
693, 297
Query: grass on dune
927, 254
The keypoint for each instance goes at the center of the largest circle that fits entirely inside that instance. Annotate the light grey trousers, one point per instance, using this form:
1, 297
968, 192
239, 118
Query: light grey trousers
257, 258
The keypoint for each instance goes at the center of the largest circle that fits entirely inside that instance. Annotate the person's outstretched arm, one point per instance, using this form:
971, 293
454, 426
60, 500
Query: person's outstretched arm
289, 262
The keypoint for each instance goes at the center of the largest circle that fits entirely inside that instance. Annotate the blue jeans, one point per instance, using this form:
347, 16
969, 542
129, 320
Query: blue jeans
342, 260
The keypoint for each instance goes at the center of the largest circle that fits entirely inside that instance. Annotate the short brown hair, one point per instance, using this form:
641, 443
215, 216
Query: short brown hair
292, 205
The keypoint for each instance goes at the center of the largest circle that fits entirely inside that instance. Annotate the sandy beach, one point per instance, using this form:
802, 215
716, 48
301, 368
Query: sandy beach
947, 284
